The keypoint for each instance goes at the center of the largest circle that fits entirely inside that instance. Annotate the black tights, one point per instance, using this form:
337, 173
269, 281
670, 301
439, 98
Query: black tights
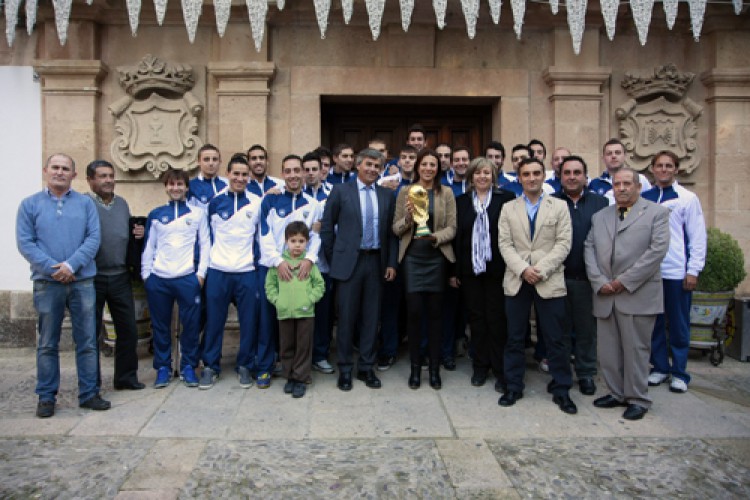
424, 306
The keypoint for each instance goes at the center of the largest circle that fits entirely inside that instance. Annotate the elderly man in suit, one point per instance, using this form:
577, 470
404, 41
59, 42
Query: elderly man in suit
623, 253
360, 247
535, 236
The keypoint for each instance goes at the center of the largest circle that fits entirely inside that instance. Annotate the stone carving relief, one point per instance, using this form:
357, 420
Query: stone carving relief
659, 116
156, 124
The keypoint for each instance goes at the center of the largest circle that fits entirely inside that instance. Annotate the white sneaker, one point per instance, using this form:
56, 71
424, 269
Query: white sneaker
657, 378
544, 365
678, 385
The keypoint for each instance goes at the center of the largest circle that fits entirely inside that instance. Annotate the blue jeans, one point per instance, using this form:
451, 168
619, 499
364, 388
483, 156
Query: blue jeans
50, 300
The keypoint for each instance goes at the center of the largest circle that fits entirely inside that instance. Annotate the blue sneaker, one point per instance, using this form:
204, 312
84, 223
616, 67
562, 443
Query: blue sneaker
264, 380
163, 376
188, 377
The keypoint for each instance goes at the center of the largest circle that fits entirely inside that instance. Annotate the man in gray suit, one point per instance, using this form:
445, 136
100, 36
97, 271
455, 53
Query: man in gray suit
360, 246
623, 254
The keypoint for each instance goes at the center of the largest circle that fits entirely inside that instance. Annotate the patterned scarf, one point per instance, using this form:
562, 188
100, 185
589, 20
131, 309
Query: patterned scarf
481, 252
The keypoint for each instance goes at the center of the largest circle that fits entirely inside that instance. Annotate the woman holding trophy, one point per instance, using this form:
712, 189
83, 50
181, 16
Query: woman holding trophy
425, 222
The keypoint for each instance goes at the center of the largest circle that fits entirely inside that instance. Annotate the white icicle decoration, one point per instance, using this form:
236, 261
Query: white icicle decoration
62, 18
609, 13
30, 15
375, 15
281, 4
697, 10
471, 12
256, 11
577, 22
322, 9
191, 13
737, 7
439, 7
642, 10
347, 6
222, 10
554, 6
495, 10
670, 9
134, 13
407, 7
519, 10
161, 10
11, 20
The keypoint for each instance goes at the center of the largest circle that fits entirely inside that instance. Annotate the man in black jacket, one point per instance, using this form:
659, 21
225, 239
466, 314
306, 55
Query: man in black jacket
582, 204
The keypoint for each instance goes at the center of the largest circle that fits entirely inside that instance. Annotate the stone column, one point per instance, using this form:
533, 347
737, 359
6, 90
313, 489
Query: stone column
577, 96
70, 94
576, 110
728, 116
242, 90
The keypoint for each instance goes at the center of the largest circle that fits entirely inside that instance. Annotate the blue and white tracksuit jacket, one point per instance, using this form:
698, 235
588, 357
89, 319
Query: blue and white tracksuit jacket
202, 190
171, 232
233, 221
260, 188
276, 212
687, 231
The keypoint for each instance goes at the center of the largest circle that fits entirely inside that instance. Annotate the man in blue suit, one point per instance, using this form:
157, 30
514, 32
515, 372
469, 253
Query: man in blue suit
359, 244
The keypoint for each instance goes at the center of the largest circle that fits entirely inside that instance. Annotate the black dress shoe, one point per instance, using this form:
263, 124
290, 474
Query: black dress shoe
369, 378
449, 364
435, 381
478, 378
587, 386
345, 381
608, 401
509, 398
129, 386
566, 404
634, 412
45, 409
96, 403
415, 379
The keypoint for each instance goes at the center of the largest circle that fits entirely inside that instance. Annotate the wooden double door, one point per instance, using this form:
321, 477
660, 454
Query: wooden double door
355, 123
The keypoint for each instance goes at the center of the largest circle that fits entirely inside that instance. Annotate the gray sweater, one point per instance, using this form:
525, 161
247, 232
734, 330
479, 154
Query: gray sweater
115, 231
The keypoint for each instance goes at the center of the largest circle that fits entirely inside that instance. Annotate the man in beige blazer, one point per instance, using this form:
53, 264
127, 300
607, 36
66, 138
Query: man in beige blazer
623, 253
535, 236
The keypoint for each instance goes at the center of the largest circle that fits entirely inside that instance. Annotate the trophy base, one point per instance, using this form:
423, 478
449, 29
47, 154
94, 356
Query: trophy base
422, 232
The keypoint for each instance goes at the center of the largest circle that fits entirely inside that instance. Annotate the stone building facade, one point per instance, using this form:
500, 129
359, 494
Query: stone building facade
293, 94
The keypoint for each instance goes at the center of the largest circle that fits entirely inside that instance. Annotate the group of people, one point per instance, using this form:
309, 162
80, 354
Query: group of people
606, 263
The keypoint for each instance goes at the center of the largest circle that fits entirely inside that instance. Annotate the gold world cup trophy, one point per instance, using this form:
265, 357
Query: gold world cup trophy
420, 201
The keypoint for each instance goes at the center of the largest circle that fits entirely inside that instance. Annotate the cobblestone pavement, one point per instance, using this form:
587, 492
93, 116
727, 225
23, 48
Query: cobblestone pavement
393, 443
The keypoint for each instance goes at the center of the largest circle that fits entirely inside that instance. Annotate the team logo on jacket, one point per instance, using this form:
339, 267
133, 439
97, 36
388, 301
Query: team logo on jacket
204, 199
225, 215
282, 212
164, 219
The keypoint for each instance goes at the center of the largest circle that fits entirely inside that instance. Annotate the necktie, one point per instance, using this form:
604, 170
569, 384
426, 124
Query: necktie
622, 211
368, 239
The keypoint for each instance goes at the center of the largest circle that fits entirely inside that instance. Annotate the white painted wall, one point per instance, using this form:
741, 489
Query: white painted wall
21, 164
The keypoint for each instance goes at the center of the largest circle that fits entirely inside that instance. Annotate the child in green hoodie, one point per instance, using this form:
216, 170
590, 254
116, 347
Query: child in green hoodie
295, 306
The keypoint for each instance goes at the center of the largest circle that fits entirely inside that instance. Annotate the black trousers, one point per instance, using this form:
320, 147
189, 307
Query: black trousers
552, 318
420, 306
117, 292
359, 299
485, 304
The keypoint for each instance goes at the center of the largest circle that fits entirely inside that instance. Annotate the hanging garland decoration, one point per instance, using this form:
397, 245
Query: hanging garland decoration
258, 10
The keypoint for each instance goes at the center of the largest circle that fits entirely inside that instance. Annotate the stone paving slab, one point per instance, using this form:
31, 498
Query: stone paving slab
67, 467
621, 468
313, 469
